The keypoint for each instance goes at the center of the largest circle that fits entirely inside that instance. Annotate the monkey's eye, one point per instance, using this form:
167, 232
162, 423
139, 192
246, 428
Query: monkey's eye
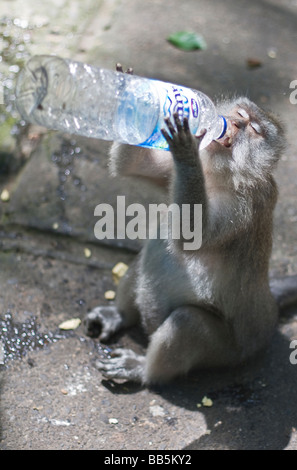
256, 127
243, 113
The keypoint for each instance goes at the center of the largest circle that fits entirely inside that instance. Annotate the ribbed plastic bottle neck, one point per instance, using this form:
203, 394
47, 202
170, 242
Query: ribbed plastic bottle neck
222, 126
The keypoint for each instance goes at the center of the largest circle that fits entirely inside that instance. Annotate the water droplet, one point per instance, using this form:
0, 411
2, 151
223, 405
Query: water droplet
14, 68
17, 339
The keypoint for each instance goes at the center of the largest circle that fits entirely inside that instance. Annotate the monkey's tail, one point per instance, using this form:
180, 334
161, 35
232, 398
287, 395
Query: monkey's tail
284, 290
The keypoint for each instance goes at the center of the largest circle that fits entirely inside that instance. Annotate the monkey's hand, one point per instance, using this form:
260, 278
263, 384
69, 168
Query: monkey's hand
104, 321
119, 68
182, 143
123, 364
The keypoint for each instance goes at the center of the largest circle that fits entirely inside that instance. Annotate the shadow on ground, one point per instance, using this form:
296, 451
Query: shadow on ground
253, 406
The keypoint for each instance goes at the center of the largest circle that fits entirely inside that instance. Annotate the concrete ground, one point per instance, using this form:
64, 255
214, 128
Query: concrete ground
52, 269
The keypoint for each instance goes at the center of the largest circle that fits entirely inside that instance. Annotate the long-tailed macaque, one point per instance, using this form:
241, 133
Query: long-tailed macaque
213, 306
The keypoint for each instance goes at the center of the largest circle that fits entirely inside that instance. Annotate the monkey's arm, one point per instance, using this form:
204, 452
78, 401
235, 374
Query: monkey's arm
128, 160
223, 213
188, 185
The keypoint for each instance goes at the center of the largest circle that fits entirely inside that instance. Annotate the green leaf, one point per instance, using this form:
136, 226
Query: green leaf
187, 41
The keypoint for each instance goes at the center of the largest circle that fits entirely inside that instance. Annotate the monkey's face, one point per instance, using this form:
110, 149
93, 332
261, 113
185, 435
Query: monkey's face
244, 123
253, 141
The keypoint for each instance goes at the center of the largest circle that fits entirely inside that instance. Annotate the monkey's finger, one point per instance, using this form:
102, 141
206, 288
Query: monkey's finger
119, 68
115, 374
107, 368
178, 123
166, 135
110, 366
170, 126
102, 364
186, 124
201, 135
117, 352
105, 335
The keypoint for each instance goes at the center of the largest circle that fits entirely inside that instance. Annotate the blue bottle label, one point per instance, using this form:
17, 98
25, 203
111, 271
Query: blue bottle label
173, 99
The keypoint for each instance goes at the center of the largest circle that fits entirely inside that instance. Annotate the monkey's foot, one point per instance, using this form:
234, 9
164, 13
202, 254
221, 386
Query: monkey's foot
103, 322
124, 364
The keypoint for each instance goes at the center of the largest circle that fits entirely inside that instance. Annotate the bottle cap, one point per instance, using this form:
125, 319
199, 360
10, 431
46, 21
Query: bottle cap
224, 127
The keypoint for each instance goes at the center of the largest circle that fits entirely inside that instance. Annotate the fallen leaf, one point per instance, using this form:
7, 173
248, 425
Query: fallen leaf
2, 353
119, 271
253, 63
187, 41
272, 53
37, 408
157, 410
110, 295
70, 324
207, 402
5, 196
113, 421
87, 253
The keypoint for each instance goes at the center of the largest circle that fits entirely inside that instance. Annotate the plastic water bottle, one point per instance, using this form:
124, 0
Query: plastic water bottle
77, 98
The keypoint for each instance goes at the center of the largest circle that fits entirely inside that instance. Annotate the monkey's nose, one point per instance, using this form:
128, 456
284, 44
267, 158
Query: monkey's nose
239, 123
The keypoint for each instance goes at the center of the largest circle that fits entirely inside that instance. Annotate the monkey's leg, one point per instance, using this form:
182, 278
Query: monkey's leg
190, 337
107, 320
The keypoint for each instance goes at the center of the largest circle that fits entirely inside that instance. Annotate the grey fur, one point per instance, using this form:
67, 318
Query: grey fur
212, 307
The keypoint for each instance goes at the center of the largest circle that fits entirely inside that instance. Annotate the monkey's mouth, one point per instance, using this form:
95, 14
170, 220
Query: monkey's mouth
227, 140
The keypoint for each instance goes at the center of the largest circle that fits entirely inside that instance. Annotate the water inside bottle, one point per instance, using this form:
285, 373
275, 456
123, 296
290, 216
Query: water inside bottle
137, 113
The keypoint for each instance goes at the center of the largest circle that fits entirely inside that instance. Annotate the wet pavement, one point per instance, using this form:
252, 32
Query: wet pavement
53, 269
